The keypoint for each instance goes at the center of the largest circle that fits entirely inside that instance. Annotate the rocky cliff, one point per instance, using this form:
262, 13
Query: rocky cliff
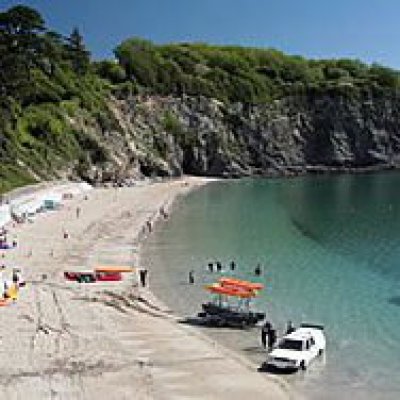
195, 135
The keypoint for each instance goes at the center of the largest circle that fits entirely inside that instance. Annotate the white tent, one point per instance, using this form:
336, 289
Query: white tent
5, 215
28, 207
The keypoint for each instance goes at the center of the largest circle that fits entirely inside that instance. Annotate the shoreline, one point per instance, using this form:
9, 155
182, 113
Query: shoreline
90, 341
192, 330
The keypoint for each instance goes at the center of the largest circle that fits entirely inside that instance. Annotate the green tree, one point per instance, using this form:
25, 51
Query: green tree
110, 70
20, 45
384, 76
140, 60
78, 54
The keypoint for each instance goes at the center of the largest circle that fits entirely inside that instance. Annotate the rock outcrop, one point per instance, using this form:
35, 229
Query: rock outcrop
169, 136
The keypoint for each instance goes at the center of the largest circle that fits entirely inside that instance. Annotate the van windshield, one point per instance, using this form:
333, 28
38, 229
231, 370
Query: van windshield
291, 344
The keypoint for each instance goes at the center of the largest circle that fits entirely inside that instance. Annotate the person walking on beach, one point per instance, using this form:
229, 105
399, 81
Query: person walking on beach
163, 213
143, 276
17, 277
149, 227
191, 277
78, 212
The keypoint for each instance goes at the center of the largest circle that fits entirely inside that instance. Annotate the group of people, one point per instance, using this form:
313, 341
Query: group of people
218, 266
269, 334
232, 267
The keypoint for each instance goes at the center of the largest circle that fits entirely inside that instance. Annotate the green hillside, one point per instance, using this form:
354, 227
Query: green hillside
51, 92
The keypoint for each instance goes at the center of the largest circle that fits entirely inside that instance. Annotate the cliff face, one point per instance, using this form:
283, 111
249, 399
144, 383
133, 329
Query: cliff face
171, 136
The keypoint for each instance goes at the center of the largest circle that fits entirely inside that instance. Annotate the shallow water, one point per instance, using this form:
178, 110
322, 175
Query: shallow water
329, 247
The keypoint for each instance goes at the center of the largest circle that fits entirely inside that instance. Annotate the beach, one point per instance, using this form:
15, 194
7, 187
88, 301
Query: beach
113, 340
325, 260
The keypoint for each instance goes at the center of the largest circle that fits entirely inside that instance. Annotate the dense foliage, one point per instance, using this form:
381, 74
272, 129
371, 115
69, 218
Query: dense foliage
44, 78
48, 81
248, 75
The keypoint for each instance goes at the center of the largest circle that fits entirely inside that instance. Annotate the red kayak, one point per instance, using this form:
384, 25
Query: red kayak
90, 276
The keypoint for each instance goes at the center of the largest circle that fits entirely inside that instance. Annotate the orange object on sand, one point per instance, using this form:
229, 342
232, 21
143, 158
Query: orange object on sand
225, 281
231, 291
113, 268
3, 302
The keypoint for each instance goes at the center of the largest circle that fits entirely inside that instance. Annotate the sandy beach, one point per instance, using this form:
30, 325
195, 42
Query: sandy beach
65, 340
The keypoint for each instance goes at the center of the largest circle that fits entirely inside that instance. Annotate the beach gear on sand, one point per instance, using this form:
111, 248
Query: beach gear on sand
113, 268
92, 276
12, 291
4, 302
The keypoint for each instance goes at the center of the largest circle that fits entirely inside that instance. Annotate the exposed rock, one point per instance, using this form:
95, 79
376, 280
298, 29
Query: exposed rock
169, 136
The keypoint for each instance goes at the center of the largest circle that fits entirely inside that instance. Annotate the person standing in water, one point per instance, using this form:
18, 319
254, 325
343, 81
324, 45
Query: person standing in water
219, 266
257, 270
271, 338
290, 328
211, 267
232, 265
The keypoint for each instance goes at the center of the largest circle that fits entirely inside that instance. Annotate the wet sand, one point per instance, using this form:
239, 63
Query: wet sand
64, 340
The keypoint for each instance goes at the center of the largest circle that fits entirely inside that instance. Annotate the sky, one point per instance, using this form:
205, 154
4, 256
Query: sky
368, 30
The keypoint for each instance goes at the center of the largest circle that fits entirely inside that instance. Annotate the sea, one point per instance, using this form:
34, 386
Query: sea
329, 248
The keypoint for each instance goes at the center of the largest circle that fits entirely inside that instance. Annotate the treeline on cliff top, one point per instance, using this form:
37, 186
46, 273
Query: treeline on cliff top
249, 75
48, 80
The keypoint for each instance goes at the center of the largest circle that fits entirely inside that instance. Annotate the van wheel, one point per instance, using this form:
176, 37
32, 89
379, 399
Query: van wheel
303, 365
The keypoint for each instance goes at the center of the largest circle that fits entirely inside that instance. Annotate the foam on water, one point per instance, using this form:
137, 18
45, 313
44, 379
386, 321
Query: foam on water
330, 250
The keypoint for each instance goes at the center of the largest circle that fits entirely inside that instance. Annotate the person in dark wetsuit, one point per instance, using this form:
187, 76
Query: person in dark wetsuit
211, 267
265, 330
232, 265
219, 266
191, 277
271, 338
257, 270
143, 277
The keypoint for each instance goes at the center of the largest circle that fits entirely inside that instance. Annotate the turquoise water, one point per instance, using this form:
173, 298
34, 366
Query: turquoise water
330, 251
